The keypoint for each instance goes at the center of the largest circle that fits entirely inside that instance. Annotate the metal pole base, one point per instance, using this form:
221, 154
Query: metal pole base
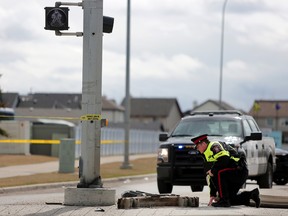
97, 183
126, 166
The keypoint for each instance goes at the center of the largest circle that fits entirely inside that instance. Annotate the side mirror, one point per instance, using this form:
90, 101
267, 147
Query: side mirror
253, 136
163, 137
256, 136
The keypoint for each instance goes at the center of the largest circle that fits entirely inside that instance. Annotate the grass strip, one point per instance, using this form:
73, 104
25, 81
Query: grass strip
110, 170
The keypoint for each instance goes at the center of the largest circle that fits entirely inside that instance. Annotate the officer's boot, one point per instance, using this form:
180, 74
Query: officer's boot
222, 203
255, 196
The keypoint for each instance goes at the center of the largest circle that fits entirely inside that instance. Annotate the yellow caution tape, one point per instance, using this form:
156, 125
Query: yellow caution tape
30, 141
88, 117
45, 117
38, 141
112, 141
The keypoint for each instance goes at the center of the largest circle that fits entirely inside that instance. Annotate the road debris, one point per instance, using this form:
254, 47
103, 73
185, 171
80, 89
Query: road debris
140, 199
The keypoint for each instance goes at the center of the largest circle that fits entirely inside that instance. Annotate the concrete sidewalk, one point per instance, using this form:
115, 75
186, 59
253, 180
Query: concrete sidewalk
48, 167
46, 204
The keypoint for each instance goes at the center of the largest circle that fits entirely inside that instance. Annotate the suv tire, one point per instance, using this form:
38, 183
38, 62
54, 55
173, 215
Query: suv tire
266, 180
164, 187
197, 188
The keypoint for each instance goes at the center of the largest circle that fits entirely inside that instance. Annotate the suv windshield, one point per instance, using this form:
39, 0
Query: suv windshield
212, 127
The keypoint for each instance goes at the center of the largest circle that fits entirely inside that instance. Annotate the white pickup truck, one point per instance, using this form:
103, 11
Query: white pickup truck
180, 164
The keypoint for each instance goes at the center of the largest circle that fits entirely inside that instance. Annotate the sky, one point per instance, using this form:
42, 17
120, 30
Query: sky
174, 50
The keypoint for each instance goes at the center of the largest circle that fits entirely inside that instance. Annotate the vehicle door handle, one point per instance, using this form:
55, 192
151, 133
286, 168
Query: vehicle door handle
256, 146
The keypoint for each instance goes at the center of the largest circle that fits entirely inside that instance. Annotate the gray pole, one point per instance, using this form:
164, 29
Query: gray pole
126, 164
91, 94
221, 54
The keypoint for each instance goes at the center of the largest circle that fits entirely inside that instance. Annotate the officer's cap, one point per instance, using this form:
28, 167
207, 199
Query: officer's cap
199, 139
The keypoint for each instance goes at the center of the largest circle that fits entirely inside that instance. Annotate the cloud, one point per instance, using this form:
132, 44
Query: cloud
175, 50
162, 67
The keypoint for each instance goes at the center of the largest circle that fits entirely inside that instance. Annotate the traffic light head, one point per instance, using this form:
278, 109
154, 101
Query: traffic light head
56, 18
108, 23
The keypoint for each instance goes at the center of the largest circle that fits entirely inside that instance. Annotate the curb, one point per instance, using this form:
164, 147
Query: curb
270, 201
66, 184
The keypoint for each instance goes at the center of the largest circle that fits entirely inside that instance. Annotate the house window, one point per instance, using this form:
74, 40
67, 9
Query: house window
269, 122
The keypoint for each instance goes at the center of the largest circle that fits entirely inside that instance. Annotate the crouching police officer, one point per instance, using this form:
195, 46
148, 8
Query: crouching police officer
227, 175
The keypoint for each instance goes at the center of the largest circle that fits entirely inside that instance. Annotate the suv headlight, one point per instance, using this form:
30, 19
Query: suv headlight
162, 155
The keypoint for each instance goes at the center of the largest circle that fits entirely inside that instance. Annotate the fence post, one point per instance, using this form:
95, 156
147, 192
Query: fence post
67, 156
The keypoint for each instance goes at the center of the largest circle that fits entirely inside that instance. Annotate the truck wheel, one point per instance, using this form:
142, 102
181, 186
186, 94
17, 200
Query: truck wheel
164, 187
197, 188
266, 180
281, 180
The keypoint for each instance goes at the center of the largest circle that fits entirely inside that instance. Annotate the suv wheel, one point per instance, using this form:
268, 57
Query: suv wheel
164, 187
197, 188
266, 180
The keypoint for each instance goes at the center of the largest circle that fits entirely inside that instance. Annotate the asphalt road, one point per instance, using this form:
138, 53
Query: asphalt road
49, 202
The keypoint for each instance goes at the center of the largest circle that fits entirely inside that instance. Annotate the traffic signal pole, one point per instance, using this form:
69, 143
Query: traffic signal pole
89, 191
91, 93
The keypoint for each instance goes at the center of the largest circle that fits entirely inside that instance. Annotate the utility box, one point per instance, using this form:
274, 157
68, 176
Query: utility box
67, 156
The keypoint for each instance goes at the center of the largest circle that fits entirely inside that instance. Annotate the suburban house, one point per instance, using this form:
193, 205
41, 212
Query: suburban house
164, 110
146, 113
272, 115
9, 100
55, 116
154, 114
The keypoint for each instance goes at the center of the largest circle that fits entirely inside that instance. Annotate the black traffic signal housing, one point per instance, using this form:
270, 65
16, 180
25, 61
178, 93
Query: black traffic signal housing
108, 23
56, 18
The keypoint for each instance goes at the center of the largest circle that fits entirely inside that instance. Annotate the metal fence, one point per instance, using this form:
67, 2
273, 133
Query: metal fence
113, 140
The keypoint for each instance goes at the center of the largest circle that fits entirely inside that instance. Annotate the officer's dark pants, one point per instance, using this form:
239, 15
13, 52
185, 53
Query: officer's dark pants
228, 183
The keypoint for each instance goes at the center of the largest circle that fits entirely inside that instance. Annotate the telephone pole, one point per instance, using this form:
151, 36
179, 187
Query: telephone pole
221, 54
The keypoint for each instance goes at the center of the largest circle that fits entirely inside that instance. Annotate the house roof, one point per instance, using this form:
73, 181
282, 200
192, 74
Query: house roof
152, 107
269, 108
111, 105
223, 105
215, 104
10, 99
51, 101
61, 101
153, 125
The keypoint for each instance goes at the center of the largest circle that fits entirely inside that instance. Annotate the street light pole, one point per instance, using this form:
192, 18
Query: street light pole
126, 164
221, 54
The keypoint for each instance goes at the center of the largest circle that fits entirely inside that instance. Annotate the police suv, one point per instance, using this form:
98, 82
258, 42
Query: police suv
179, 163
